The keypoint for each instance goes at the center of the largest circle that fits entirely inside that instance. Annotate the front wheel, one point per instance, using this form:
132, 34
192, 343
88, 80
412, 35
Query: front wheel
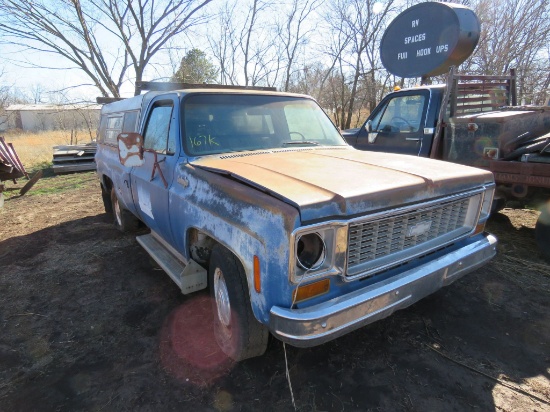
238, 333
542, 231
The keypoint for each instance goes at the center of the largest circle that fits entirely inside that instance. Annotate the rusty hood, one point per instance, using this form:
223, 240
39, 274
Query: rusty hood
337, 182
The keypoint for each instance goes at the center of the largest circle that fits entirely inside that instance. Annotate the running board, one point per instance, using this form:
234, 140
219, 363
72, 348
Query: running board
189, 278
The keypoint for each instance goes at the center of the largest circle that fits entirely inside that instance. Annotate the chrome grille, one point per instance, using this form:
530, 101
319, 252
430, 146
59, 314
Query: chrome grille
375, 243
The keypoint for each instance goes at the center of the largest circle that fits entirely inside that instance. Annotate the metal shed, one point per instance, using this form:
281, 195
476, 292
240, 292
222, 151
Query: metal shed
41, 117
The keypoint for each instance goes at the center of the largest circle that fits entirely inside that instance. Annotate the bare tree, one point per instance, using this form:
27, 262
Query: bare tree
4, 90
224, 44
4, 99
293, 33
310, 80
36, 93
356, 27
246, 35
544, 92
104, 38
514, 34
7, 97
243, 46
255, 44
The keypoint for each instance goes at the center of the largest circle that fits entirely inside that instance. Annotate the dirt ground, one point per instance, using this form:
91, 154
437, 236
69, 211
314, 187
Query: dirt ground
88, 322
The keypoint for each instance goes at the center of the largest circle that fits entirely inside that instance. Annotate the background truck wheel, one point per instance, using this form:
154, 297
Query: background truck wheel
542, 231
123, 219
238, 333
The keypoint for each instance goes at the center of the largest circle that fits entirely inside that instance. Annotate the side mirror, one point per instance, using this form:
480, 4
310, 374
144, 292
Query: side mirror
130, 149
371, 136
368, 126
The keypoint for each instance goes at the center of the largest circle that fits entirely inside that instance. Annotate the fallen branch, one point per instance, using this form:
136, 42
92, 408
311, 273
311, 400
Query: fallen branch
531, 265
499, 381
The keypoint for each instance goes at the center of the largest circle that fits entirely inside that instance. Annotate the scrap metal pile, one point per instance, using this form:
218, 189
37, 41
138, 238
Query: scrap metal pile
11, 167
74, 158
529, 149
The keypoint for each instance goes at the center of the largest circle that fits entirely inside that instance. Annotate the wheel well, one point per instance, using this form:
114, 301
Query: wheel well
106, 184
200, 246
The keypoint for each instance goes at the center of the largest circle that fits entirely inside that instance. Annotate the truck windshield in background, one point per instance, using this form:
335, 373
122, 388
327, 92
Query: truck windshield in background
403, 114
222, 123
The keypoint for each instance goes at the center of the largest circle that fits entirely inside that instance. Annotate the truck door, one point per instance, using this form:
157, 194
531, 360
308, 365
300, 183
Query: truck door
397, 124
151, 182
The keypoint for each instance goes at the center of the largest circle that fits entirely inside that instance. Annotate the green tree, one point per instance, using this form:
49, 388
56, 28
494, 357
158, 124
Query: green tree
195, 67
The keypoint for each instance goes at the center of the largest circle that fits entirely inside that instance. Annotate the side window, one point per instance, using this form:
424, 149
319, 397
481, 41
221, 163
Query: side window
157, 131
402, 114
130, 121
102, 129
113, 129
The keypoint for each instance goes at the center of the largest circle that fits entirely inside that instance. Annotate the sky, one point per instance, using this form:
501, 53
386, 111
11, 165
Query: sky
19, 70
55, 84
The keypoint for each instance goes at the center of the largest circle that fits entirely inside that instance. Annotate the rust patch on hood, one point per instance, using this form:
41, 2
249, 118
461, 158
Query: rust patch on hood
334, 182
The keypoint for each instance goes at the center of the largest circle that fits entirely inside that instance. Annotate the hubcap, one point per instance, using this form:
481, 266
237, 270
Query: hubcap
222, 298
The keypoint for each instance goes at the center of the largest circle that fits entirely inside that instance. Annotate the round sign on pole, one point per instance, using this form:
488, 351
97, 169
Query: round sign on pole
428, 38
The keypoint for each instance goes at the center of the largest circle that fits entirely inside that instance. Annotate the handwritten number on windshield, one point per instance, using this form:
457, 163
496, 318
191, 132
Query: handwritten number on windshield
199, 141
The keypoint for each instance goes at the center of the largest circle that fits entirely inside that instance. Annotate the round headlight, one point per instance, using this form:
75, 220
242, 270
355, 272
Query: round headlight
310, 251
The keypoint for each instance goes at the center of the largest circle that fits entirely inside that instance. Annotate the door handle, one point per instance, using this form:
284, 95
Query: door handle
413, 139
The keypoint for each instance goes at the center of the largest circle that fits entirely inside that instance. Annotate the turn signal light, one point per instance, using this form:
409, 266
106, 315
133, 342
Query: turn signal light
480, 227
309, 291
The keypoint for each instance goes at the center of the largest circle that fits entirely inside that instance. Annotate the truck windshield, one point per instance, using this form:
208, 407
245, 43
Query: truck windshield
221, 123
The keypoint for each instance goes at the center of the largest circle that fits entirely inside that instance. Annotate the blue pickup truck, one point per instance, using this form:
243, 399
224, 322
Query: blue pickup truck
475, 121
255, 195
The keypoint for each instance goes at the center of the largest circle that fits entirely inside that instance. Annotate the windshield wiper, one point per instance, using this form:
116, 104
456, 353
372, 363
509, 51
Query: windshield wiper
300, 142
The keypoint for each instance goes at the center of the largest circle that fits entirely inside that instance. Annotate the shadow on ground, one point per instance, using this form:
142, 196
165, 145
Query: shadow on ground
88, 322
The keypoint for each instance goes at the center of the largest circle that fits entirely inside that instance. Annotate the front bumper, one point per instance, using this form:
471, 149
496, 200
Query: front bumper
328, 320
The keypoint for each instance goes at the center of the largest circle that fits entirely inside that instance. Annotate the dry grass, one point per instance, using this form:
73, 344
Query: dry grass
35, 149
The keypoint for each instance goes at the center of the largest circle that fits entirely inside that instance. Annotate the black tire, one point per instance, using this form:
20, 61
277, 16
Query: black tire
107, 203
542, 231
238, 333
124, 220
498, 204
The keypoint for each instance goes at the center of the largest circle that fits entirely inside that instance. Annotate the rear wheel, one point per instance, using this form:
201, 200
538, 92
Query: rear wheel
237, 332
107, 203
124, 220
542, 231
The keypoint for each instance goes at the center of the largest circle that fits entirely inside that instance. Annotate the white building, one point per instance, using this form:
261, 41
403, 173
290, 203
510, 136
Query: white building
41, 117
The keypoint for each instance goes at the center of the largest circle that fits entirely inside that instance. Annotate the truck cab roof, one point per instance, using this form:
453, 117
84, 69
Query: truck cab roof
422, 87
140, 101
